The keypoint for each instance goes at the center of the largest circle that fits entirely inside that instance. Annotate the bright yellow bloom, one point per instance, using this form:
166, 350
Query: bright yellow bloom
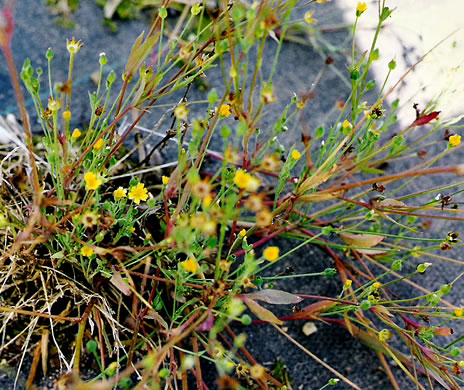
138, 193
120, 193
165, 180
207, 200
271, 253
461, 363
377, 285
76, 134
92, 181
86, 251
181, 112
458, 312
98, 145
242, 179
455, 140
348, 284
346, 125
361, 7
67, 115
242, 233
190, 265
224, 110
296, 155
309, 17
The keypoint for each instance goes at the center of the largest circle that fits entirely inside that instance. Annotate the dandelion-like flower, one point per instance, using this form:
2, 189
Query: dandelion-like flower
242, 179
458, 312
271, 253
76, 134
120, 193
309, 17
138, 193
296, 155
190, 265
224, 110
455, 140
360, 9
98, 145
92, 181
86, 251
67, 115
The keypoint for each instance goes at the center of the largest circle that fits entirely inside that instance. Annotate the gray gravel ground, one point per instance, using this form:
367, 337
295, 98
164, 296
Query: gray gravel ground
36, 30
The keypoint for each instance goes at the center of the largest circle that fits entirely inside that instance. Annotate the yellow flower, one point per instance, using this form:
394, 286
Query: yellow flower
455, 140
271, 253
384, 335
165, 180
207, 200
377, 285
190, 265
54, 105
67, 115
268, 95
257, 371
89, 219
242, 233
224, 110
120, 193
92, 182
346, 126
98, 144
296, 155
73, 46
181, 112
76, 134
309, 17
86, 251
361, 7
264, 218
242, 179
224, 265
348, 284
458, 312
461, 363
138, 193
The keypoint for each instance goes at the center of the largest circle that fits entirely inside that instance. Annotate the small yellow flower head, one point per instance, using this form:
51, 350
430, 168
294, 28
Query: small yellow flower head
224, 265
224, 110
360, 9
120, 193
348, 284
76, 134
92, 181
138, 193
207, 200
89, 219
242, 233
181, 112
377, 285
461, 363
268, 95
271, 253
67, 115
54, 105
301, 104
72, 46
165, 180
190, 265
346, 127
132, 229
86, 251
241, 370
242, 179
384, 335
201, 189
257, 371
309, 17
458, 312
98, 145
296, 155
264, 218
455, 140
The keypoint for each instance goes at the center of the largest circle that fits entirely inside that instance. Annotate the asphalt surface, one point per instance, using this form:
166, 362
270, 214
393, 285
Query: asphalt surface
36, 30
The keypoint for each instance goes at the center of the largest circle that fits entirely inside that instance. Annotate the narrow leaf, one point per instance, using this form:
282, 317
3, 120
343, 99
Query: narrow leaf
262, 313
274, 297
361, 240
